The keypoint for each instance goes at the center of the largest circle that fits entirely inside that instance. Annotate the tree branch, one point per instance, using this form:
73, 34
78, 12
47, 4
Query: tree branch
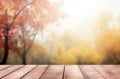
16, 15
32, 41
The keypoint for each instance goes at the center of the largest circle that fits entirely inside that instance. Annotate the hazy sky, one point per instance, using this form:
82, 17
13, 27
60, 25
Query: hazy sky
82, 14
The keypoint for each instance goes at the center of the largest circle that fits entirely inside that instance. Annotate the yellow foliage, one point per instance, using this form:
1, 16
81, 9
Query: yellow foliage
37, 54
108, 44
82, 53
66, 58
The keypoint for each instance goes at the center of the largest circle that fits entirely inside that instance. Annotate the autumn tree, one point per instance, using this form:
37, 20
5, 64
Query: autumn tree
9, 13
107, 41
19, 13
43, 14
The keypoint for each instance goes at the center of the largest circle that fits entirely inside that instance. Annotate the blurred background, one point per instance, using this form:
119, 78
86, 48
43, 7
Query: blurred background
60, 32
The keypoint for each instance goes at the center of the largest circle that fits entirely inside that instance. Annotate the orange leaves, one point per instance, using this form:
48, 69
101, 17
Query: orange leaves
1, 33
2, 19
12, 7
1, 5
1, 38
12, 33
44, 11
35, 13
14, 4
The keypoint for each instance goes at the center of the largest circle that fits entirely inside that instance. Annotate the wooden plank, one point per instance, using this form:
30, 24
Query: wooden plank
9, 70
56, 72
2, 67
73, 72
110, 71
36, 73
115, 67
19, 73
53, 72
90, 72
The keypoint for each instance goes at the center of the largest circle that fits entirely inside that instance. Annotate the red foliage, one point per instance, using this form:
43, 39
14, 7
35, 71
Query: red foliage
37, 13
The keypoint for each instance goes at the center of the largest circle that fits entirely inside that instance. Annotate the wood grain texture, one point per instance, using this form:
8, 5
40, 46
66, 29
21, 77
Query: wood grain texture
73, 72
36, 73
111, 71
59, 71
53, 72
90, 72
20, 72
9, 70
2, 67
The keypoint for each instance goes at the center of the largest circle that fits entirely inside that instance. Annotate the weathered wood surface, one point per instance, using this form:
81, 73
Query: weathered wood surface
59, 71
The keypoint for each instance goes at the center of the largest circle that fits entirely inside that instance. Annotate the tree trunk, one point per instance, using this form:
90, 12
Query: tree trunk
6, 47
24, 59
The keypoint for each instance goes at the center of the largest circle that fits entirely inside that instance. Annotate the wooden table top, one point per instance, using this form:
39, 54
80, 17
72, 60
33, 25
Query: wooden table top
59, 71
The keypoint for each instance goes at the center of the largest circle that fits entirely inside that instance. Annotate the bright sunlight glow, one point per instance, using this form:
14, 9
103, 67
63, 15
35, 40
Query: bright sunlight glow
82, 14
